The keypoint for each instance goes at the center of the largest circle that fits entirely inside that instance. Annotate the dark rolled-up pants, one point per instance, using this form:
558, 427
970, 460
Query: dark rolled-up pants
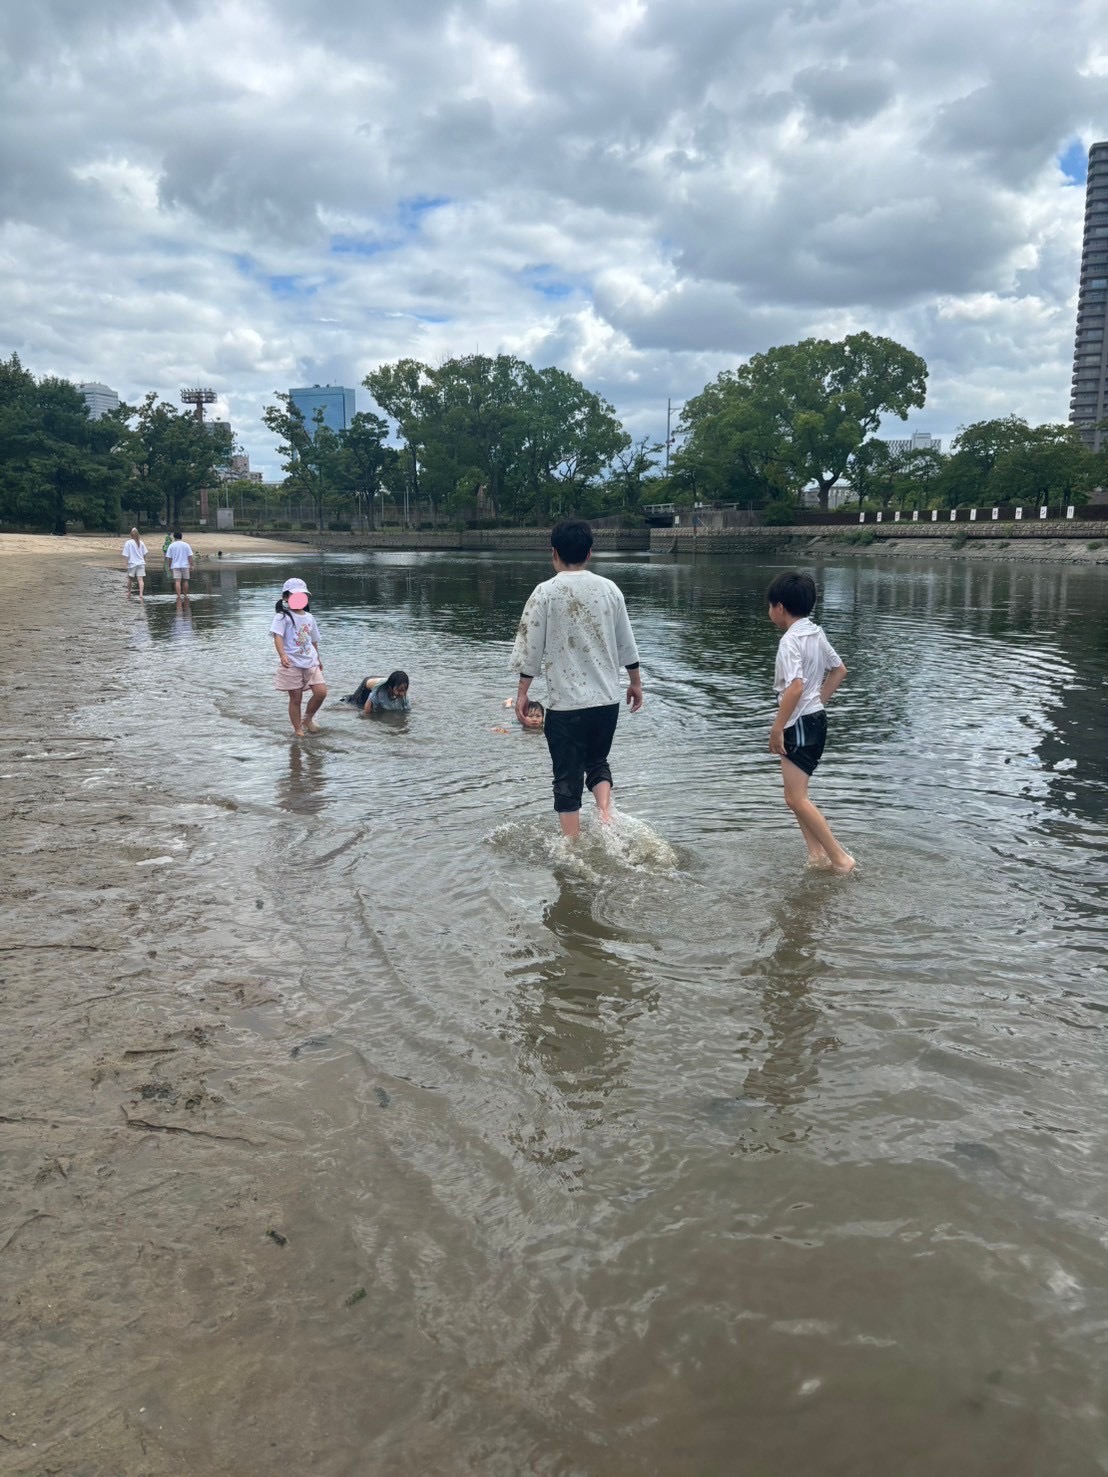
579, 740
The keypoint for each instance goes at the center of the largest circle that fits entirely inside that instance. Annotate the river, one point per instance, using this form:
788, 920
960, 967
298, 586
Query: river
685, 1159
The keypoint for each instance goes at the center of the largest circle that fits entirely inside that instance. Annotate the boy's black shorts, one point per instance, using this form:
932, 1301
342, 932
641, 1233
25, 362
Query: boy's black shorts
804, 741
579, 740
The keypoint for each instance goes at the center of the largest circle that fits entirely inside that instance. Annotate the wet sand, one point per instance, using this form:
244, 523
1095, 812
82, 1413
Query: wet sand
169, 1291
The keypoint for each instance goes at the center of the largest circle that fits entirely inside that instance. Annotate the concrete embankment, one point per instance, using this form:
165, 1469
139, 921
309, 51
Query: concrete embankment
496, 540
1058, 543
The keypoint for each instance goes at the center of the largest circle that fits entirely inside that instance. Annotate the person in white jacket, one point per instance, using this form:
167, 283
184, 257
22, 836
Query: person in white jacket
575, 631
134, 551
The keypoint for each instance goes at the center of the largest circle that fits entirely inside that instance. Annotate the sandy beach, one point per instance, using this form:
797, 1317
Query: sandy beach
153, 1183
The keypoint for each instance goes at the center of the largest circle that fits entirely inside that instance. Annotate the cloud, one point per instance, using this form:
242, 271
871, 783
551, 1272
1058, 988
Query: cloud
257, 193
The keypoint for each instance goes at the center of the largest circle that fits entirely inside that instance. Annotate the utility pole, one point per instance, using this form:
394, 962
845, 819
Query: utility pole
669, 412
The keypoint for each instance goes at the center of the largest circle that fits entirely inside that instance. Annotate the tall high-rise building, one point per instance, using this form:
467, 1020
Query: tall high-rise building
99, 398
336, 402
1089, 396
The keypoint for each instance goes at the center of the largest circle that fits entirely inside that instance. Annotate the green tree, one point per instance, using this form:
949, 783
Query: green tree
632, 480
402, 390
174, 455
1051, 467
56, 463
365, 460
311, 455
531, 439
975, 452
798, 413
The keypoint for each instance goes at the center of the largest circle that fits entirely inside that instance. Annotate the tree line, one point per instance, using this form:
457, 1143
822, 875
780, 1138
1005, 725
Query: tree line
60, 465
492, 439
480, 439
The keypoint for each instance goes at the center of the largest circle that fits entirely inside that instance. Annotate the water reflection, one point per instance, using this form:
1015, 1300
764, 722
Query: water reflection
578, 1005
791, 1042
300, 789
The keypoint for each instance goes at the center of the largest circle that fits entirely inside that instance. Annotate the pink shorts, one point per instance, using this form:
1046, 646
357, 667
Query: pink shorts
297, 679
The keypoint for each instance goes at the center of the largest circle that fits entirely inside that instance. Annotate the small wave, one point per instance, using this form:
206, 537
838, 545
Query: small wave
626, 844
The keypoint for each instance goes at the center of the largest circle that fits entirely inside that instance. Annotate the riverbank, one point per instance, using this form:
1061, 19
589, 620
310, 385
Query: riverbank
1021, 543
102, 551
170, 1287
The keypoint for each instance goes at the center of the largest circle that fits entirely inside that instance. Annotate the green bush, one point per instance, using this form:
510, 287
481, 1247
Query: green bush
863, 536
280, 525
308, 527
1096, 544
778, 514
959, 539
339, 527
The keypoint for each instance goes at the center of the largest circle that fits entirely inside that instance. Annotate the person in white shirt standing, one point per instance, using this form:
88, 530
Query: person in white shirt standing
181, 560
806, 675
575, 630
134, 551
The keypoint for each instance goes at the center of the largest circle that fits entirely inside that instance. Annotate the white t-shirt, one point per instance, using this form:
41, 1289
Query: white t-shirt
179, 554
298, 632
134, 553
805, 652
575, 631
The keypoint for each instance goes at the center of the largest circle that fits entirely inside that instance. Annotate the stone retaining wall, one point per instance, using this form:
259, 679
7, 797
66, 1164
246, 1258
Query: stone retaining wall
500, 540
763, 540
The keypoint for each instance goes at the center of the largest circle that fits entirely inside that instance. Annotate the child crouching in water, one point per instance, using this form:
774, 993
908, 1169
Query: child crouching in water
806, 675
382, 694
296, 637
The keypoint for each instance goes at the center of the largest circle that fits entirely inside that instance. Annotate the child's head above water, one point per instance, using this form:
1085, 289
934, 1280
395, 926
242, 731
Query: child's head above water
396, 684
535, 716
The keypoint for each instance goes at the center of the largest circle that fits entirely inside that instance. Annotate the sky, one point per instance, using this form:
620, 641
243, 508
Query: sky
255, 194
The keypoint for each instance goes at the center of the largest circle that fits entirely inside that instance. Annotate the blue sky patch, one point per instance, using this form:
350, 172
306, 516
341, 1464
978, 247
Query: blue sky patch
1074, 162
281, 285
357, 246
542, 279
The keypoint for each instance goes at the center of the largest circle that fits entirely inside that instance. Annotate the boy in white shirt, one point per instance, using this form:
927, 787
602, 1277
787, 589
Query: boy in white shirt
181, 560
575, 629
134, 551
806, 675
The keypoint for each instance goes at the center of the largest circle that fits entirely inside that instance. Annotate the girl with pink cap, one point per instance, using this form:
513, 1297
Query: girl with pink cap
296, 637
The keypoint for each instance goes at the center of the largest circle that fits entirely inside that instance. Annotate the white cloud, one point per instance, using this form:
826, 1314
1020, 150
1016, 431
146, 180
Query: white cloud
256, 193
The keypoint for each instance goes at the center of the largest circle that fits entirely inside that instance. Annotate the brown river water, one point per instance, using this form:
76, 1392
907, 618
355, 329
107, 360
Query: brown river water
657, 1155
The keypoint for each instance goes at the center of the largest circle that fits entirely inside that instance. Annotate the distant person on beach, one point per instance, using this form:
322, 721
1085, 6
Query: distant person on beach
575, 630
181, 560
300, 669
135, 551
382, 694
806, 676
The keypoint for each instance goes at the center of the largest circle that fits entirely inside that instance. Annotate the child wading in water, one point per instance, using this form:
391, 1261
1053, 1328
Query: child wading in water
296, 637
382, 694
807, 673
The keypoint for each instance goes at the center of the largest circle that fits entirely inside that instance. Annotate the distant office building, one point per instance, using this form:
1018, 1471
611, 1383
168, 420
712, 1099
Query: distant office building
918, 441
336, 402
1089, 395
100, 399
238, 470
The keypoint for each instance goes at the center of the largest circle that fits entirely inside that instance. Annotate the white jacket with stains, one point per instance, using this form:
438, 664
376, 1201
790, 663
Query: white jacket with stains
575, 632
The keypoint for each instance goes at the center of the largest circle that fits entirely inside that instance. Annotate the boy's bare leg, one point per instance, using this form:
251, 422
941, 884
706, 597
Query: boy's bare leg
315, 702
142, 588
570, 822
602, 794
812, 824
294, 713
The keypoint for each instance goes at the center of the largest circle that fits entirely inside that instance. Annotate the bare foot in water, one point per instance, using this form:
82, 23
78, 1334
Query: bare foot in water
847, 869
819, 861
